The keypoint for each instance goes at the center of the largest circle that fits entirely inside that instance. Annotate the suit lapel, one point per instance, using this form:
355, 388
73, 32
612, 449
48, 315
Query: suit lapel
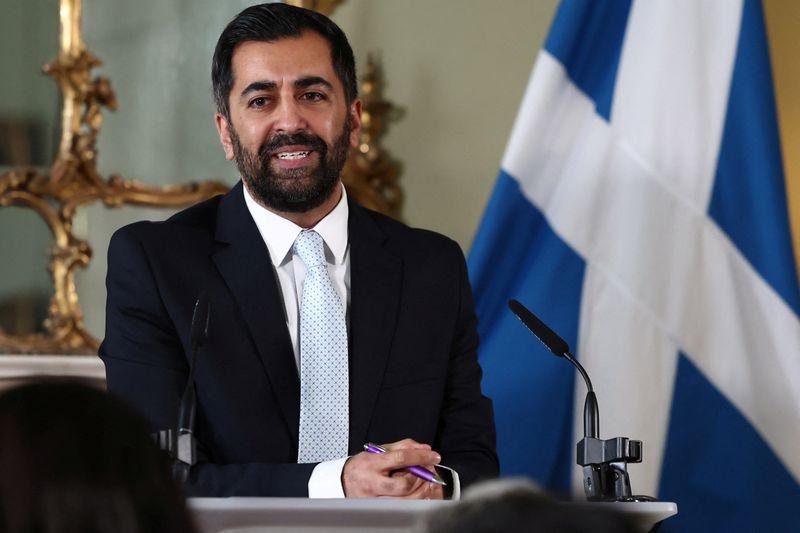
243, 261
376, 279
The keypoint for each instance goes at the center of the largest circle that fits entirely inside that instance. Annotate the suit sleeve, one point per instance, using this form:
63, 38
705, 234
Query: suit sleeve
147, 365
466, 435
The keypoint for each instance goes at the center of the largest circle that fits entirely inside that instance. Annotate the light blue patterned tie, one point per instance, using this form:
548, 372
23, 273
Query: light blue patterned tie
324, 380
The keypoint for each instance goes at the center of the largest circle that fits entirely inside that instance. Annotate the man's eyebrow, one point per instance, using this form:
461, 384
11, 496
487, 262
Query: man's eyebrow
310, 81
258, 86
302, 83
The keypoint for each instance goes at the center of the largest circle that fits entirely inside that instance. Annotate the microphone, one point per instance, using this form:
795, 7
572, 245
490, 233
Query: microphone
557, 345
604, 462
199, 332
185, 455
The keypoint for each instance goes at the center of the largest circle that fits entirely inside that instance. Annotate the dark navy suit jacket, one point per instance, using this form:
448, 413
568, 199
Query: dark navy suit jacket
413, 341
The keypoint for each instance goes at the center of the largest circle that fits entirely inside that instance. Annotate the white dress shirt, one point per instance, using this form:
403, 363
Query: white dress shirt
279, 235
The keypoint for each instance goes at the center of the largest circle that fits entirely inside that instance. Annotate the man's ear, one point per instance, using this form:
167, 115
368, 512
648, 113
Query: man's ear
223, 128
355, 122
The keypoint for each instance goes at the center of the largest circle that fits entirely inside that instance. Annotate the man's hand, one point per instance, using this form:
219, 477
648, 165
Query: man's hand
381, 474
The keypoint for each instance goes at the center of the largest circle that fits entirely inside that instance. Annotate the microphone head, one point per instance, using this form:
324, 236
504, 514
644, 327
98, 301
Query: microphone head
200, 318
549, 338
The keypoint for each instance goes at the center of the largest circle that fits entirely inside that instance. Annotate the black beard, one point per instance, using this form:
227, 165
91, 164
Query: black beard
294, 190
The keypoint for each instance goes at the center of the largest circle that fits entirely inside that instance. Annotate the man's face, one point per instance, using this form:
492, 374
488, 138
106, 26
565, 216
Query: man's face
290, 127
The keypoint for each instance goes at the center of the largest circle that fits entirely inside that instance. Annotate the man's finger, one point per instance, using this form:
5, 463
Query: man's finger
405, 444
422, 490
400, 486
401, 458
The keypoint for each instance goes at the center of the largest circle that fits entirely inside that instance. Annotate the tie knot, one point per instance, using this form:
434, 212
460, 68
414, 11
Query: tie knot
310, 247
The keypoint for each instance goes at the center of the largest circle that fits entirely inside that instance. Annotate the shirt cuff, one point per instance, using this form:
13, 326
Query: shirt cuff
326, 479
452, 491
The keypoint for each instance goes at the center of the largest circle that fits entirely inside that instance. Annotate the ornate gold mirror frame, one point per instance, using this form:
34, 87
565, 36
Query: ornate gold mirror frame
73, 180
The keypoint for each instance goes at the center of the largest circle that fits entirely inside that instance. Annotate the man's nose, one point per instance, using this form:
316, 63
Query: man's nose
289, 116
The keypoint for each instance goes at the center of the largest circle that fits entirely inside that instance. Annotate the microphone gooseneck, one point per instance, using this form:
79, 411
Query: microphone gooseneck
199, 332
179, 442
185, 453
200, 318
557, 345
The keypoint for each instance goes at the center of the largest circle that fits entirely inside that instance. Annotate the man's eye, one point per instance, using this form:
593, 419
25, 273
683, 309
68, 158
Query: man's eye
261, 101
313, 96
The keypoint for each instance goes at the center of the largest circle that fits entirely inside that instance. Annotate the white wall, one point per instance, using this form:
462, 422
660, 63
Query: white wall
458, 68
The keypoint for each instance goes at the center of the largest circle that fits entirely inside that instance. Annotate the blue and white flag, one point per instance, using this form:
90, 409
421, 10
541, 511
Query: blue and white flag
640, 211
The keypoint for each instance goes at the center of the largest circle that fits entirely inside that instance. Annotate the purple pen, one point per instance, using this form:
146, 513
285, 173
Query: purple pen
418, 471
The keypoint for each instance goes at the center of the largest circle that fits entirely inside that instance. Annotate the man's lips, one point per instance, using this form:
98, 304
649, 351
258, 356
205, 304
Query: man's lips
292, 151
293, 156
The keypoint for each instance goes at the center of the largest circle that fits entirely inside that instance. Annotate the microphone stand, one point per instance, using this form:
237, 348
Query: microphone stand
604, 462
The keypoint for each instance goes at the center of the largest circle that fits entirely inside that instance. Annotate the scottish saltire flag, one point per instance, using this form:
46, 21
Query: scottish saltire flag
640, 212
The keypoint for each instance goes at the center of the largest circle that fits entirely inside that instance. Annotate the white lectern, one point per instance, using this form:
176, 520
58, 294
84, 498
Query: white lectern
285, 515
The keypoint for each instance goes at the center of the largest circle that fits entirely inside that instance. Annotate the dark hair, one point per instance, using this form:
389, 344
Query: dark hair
75, 459
272, 22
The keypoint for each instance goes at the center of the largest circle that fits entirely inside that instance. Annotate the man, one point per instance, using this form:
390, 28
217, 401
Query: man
331, 326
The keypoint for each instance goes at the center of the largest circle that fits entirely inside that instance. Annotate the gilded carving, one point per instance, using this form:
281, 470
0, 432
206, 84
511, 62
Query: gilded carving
370, 174
72, 181
325, 7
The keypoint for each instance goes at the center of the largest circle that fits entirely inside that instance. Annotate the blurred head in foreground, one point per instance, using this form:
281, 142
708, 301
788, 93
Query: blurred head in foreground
511, 505
75, 459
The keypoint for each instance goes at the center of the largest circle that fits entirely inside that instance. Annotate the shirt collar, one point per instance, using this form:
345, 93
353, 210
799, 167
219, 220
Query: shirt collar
279, 233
